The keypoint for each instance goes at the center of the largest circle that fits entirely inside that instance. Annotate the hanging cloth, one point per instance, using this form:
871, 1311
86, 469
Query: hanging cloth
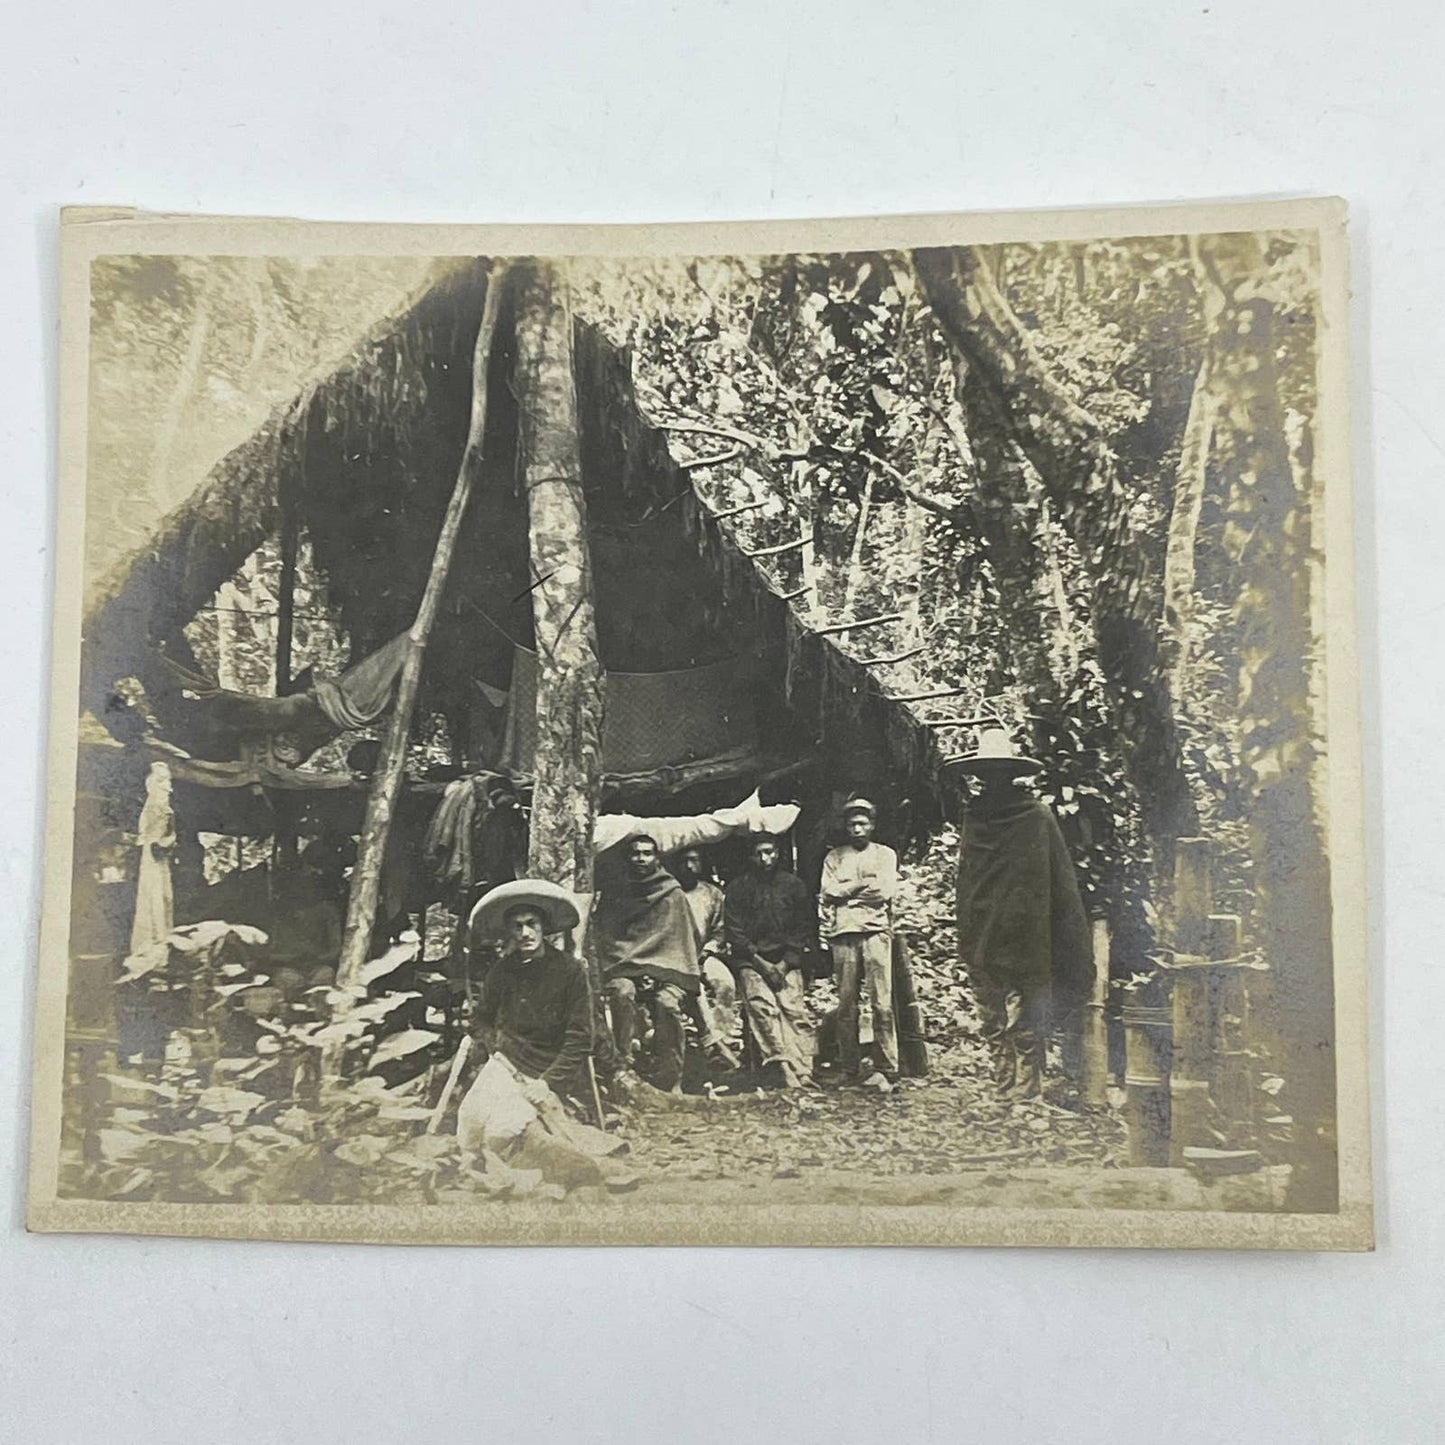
362, 693
156, 835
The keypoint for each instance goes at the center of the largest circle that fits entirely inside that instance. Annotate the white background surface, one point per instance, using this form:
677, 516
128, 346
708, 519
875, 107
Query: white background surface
618, 111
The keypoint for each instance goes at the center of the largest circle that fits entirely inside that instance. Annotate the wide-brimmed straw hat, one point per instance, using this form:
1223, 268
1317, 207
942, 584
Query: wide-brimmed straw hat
995, 753
554, 903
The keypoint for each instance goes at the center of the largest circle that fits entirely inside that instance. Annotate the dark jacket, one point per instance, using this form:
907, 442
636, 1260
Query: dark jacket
538, 1014
771, 914
1019, 910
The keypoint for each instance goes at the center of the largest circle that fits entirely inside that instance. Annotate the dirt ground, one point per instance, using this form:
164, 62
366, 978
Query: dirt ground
936, 1141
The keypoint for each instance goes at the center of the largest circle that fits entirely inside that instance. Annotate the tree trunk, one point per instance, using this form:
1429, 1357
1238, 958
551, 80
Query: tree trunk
804, 492
1266, 537
568, 780
1009, 391
386, 781
999, 516
1179, 579
855, 559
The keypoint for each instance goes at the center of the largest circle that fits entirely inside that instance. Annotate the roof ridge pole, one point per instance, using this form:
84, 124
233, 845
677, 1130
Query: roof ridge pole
386, 781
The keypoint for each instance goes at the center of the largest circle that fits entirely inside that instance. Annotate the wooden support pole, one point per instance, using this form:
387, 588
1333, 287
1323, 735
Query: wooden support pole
796, 593
793, 546
568, 781
835, 627
964, 722
737, 511
906, 656
1094, 1074
1147, 1029
1193, 894
930, 696
386, 780
1193, 1029
1232, 1065
716, 460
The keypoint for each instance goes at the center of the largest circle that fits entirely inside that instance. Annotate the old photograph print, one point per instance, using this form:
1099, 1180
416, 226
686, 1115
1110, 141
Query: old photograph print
841, 734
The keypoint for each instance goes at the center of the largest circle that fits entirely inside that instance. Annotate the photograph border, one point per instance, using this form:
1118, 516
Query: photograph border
91, 232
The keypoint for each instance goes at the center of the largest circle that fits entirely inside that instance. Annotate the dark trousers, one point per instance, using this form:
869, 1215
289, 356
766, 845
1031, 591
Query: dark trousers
1014, 1013
669, 1025
1018, 1015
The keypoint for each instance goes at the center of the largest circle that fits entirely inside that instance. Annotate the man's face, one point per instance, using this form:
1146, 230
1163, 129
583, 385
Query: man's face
689, 864
859, 828
993, 781
526, 932
642, 857
765, 856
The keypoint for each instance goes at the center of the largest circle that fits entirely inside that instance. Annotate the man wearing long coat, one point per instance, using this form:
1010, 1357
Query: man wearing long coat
1023, 936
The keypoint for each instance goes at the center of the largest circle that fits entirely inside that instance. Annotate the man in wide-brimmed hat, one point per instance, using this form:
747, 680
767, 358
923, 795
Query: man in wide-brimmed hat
534, 1017
533, 1005
859, 882
1023, 936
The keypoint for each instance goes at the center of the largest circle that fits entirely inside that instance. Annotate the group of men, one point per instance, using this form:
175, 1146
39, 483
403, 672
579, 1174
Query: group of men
670, 944
674, 945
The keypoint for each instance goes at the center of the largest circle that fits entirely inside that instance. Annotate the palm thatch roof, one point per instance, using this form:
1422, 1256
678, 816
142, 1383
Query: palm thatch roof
367, 457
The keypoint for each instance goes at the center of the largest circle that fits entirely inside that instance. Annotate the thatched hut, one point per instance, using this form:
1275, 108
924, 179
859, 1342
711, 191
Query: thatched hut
714, 681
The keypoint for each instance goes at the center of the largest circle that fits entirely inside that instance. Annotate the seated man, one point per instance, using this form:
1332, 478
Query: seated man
534, 1018
768, 915
647, 945
717, 1004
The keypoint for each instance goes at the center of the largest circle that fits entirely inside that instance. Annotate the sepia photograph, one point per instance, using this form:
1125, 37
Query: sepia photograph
796, 733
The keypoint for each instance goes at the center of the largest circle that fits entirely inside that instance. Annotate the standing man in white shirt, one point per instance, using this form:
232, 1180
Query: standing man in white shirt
859, 883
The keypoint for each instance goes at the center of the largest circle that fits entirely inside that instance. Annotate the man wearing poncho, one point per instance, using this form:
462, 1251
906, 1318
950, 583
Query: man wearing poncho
647, 952
1023, 936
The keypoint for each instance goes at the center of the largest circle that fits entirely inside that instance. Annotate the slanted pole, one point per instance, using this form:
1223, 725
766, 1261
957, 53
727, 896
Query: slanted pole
568, 771
386, 781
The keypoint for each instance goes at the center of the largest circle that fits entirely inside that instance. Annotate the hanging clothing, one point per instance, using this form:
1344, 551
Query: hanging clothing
673, 834
460, 846
447, 846
155, 910
362, 693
